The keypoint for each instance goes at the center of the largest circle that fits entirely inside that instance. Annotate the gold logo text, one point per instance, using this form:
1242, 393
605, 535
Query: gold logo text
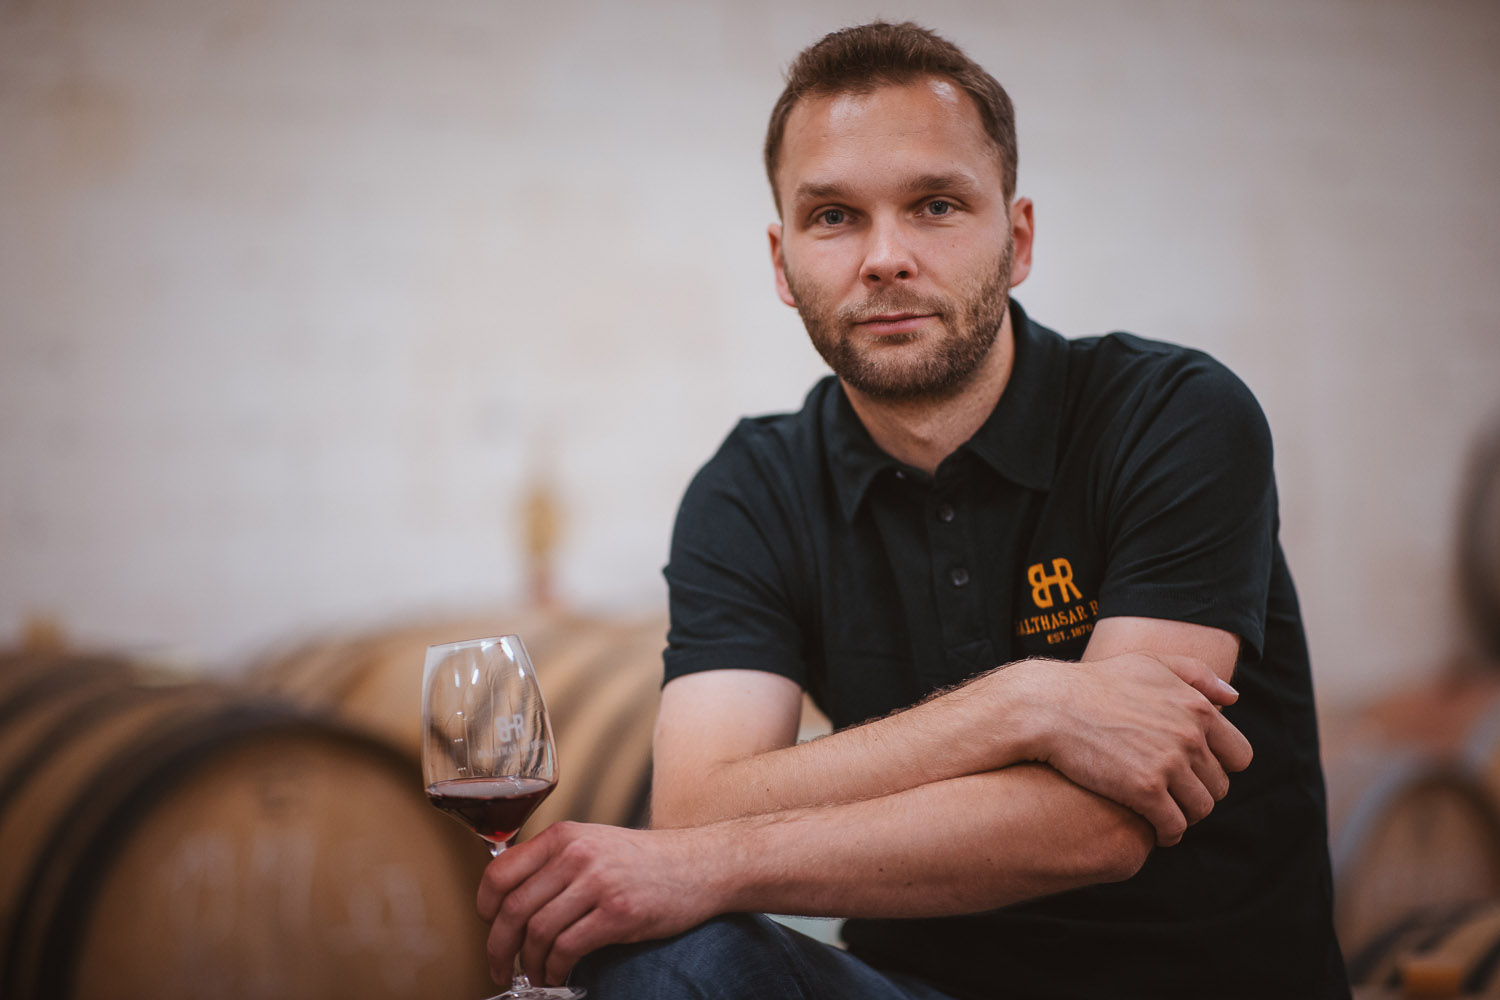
1042, 583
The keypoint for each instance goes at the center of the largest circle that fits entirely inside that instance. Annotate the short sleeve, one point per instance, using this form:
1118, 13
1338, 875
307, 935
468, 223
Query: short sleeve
731, 571
1191, 505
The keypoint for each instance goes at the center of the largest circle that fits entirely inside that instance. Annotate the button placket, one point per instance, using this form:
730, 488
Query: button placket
955, 577
942, 510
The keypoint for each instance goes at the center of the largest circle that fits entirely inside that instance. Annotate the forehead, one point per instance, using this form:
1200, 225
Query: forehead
929, 125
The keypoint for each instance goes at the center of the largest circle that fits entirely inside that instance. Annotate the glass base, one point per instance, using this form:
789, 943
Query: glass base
527, 992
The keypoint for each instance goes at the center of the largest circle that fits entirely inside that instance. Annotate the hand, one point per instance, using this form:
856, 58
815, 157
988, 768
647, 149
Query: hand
577, 887
1142, 730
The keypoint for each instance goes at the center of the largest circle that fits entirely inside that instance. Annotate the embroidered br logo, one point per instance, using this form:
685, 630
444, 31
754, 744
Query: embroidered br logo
1042, 583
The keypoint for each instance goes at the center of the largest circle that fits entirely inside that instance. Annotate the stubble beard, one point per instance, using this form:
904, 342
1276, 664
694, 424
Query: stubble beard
889, 370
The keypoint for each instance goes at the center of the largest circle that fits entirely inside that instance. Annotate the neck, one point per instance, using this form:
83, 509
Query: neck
922, 432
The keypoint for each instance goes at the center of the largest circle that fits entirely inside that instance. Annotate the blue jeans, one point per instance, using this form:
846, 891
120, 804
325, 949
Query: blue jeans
741, 956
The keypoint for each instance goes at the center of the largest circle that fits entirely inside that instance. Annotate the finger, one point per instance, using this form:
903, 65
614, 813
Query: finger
1201, 677
523, 903
1210, 774
1192, 798
507, 870
1163, 813
510, 927
587, 934
1169, 834
500, 949
1206, 769
1228, 744
555, 916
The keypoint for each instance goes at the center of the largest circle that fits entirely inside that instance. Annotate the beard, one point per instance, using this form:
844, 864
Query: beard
898, 367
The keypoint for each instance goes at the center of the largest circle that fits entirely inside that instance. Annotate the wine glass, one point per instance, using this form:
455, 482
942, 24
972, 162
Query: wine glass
487, 752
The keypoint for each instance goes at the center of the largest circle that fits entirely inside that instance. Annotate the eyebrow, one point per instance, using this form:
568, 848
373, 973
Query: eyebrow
920, 183
812, 192
957, 182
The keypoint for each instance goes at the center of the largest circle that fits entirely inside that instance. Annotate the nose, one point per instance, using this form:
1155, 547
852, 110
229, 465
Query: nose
888, 256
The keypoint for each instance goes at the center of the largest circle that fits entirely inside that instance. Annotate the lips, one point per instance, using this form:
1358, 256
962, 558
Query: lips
895, 322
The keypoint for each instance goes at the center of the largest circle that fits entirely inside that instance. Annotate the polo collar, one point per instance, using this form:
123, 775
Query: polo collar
1018, 439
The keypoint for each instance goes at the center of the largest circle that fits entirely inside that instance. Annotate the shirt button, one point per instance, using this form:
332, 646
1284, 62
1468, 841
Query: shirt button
900, 474
959, 576
945, 512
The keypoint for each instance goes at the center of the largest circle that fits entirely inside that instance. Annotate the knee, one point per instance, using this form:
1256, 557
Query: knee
723, 959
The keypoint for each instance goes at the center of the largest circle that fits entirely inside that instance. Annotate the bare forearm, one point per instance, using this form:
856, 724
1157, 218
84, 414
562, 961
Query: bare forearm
959, 733
1131, 727
957, 846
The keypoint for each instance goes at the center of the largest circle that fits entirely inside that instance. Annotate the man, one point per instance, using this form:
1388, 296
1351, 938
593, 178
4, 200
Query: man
969, 490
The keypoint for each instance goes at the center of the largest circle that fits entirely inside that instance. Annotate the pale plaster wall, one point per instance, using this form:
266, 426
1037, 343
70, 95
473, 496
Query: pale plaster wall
295, 295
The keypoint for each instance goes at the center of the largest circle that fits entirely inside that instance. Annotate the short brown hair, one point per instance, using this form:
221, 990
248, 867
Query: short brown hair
857, 60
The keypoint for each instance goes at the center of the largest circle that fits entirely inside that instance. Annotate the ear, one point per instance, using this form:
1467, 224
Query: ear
1022, 231
778, 264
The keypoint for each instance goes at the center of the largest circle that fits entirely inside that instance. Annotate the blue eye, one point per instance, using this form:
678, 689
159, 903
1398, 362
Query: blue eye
939, 207
831, 216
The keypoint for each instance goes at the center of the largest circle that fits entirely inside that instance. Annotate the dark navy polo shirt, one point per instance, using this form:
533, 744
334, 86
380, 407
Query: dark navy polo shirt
1116, 476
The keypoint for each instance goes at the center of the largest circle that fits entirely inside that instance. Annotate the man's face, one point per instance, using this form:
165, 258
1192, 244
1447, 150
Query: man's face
896, 246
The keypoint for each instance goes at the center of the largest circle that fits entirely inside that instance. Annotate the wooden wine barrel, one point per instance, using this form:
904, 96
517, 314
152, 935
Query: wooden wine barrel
1408, 832
600, 680
1481, 752
177, 841
1479, 543
1443, 951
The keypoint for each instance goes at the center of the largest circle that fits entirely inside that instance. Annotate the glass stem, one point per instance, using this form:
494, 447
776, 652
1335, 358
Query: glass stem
518, 979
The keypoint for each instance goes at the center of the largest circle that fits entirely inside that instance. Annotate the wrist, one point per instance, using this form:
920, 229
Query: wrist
719, 855
775, 863
1028, 709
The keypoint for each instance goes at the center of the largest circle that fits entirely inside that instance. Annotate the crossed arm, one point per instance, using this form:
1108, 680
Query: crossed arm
1122, 723
931, 811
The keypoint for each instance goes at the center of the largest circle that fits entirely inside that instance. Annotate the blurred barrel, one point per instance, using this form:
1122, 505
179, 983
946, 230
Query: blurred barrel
1479, 543
600, 679
1444, 951
181, 840
1407, 832
1481, 753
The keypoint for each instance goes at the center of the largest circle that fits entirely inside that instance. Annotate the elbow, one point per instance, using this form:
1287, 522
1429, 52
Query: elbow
1121, 849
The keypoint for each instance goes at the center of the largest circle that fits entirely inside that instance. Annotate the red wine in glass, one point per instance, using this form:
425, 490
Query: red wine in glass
494, 808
